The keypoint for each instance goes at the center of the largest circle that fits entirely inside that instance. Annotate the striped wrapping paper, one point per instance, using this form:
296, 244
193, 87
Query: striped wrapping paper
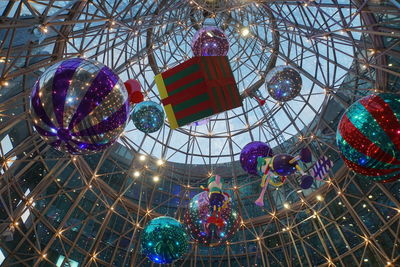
198, 88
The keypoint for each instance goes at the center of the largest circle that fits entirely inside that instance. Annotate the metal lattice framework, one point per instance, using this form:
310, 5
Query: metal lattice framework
57, 209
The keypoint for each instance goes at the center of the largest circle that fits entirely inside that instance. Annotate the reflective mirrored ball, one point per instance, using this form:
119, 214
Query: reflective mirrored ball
210, 41
79, 106
283, 83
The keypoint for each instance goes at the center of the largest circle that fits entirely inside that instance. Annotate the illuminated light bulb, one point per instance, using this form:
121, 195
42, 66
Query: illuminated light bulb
142, 157
156, 179
244, 31
30, 201
160, 162
286, 205
136, 174
319, 198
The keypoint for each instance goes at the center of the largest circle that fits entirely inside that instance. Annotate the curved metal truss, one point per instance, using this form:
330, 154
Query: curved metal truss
57, 209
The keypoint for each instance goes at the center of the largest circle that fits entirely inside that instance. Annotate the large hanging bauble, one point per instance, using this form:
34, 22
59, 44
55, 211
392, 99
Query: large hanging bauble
208, 233
210, 41
79, 106
148, 116
250, 153
368, 137
164, 240
283, 83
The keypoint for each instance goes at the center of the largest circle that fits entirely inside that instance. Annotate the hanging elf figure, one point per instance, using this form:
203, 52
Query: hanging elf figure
217, 199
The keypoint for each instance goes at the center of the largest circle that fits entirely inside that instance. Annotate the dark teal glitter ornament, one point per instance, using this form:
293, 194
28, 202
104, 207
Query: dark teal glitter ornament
164, 240
148, 116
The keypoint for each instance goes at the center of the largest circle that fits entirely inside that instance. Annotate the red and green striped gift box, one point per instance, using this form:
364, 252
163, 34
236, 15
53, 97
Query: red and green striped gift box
197, 88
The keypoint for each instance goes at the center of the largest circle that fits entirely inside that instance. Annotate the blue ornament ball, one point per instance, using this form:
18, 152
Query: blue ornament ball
148, 117
164, 240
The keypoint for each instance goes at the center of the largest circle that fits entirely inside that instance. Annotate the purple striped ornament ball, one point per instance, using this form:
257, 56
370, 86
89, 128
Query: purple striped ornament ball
79, 106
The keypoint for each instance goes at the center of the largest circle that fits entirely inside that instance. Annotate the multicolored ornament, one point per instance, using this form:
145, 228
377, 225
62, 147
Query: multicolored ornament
206, 232
250, 153
368, 137
134, 91
210, 41
148, 116
283, 83
164, 240
79, 106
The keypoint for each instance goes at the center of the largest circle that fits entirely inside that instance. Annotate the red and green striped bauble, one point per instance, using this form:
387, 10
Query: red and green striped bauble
368, 137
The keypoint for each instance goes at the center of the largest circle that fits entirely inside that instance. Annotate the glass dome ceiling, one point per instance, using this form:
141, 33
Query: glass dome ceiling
271, 42
56, 209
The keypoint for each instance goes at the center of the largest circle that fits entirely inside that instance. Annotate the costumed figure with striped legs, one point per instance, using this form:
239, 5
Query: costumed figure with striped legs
282, 165
217, 199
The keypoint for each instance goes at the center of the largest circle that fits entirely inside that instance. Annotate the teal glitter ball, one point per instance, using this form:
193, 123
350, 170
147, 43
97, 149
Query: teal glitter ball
164, 240
368, 137
148, 116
